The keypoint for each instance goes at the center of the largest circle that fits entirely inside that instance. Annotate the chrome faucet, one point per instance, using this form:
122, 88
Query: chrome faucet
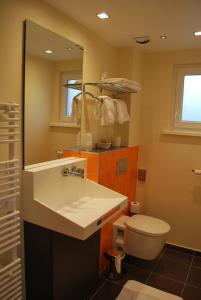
74, 171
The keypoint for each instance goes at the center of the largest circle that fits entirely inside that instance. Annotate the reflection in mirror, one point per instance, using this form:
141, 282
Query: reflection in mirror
51, 111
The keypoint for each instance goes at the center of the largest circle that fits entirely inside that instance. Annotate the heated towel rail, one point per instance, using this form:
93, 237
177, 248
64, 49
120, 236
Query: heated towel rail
10, 263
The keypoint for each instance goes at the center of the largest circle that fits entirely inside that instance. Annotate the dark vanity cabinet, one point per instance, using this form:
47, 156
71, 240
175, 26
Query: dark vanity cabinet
59, 267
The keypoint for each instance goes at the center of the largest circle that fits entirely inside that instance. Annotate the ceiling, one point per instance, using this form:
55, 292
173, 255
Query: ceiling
39, 39
177, 19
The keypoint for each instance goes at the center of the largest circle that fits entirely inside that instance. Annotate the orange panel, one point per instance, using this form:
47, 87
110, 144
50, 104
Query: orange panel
107, 163
68, 153
133, 155
107, 179
92, 161
122, 152
92, 165
92, 177
121, 184
107, 169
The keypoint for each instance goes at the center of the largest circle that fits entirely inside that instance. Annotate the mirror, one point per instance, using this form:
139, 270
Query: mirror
51, 120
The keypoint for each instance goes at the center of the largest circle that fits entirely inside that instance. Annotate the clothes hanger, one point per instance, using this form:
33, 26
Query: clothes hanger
86, 93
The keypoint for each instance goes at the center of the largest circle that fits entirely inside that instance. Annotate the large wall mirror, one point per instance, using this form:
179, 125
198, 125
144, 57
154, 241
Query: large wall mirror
51, 115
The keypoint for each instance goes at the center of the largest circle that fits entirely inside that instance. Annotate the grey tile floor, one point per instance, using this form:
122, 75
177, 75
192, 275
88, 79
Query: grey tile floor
175, 271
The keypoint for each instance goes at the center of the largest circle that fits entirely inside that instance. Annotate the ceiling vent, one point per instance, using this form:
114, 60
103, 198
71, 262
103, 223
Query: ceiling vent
142, 39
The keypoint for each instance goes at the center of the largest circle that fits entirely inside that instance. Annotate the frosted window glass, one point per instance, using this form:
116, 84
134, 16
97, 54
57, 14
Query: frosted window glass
69, 98
191, 109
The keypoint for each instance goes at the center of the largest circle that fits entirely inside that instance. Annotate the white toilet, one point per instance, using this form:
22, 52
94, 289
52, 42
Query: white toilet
141, 236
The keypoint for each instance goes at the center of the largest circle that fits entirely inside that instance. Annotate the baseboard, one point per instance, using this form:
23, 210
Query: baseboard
183, 249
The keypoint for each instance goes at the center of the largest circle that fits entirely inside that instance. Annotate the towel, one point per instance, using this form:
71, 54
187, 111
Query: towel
121, 111
108, 112
123, 83
97, 110
76, 109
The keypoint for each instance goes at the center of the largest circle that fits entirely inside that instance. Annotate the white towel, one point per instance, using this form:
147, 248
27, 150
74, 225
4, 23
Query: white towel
124, 83
107, 110
97, 110
76, 109
122, 112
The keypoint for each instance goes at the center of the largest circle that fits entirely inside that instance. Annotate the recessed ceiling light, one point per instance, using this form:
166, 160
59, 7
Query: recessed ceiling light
103, 15
197, 33
69, 48
163, 37
48, 51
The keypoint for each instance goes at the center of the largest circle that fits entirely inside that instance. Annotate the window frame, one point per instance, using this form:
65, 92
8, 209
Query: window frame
66, 75
178, 123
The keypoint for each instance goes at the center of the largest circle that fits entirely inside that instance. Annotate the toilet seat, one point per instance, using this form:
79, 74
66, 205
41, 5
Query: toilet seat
148, 225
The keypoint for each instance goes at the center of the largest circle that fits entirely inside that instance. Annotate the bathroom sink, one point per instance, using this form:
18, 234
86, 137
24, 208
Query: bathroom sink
71, 205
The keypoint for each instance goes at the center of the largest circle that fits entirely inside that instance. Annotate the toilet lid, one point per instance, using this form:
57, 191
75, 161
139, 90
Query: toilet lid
148, 225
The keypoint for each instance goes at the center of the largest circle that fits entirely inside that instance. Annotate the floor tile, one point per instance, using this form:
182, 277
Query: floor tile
132, 273
165, 284
141, 263
172, 269
197, 261
98, 286
195, 277
191, 293
177, 256
136, 273
168, 273
108, 292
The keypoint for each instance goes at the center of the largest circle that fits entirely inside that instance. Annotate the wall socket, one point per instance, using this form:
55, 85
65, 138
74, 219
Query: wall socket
141, 175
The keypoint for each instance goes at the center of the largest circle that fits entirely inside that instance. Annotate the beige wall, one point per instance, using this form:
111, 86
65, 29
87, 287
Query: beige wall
38, 94
171, 191
129, 65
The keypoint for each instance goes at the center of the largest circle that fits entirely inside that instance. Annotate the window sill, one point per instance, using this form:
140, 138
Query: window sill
63, 124
181, 133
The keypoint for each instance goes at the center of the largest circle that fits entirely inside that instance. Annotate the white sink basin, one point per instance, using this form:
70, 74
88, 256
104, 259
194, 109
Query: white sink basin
70, 205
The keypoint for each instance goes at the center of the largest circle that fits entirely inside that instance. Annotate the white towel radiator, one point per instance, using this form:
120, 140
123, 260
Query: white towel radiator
10, 263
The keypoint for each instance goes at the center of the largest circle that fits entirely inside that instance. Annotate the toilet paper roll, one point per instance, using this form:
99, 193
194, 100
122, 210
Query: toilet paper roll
135, 207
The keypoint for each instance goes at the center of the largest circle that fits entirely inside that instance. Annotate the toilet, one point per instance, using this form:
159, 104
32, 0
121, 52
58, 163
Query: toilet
141, 236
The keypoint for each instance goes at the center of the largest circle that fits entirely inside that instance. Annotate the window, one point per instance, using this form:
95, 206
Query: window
70, 94
191, 109
67, 95
188, 97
